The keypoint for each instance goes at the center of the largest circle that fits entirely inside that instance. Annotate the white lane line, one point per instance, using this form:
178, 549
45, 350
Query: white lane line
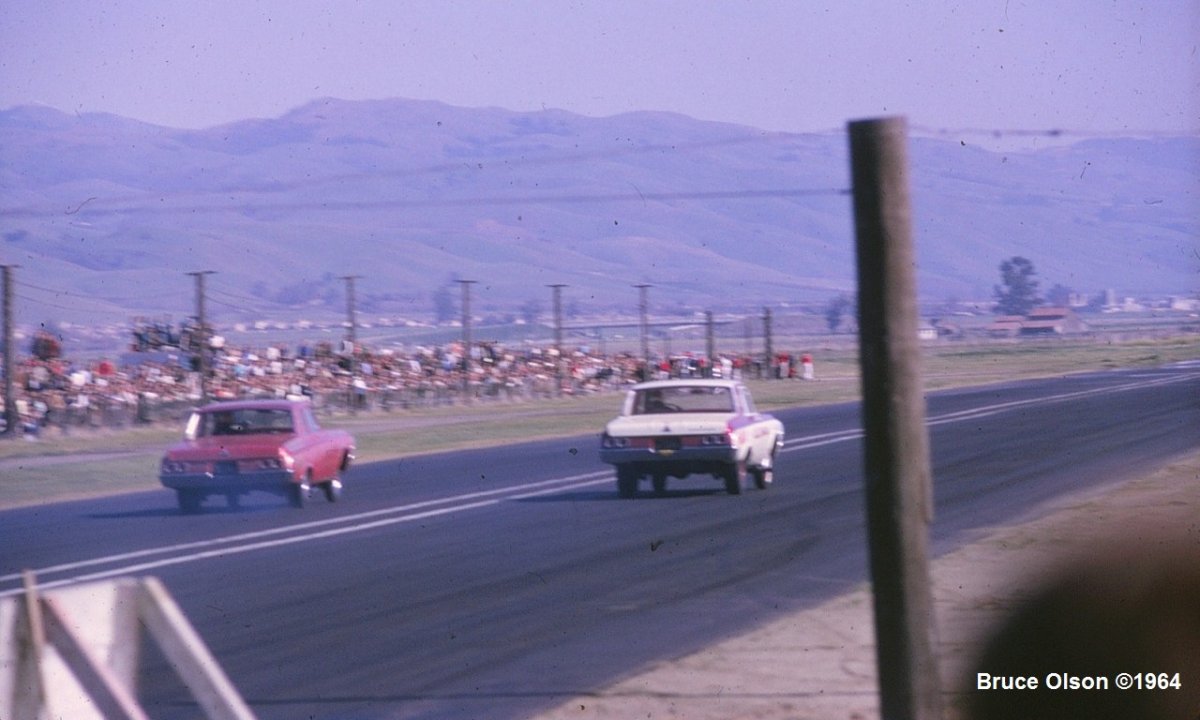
811, 441
988, 410
554, 485
306, 537
249, 547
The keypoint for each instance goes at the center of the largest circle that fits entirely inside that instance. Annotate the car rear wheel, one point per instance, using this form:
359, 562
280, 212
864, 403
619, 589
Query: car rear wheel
627, 482
660, 484
764, 474
189, 501
735, 477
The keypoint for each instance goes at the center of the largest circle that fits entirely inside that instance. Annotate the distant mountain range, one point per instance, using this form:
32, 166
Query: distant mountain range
106, 215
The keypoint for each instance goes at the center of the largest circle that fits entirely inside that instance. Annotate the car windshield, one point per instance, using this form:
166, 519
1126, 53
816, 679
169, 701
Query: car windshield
240, 422
683, 399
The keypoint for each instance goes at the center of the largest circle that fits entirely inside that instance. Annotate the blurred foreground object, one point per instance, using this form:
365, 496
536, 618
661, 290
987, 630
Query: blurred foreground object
1122, 616
73, 652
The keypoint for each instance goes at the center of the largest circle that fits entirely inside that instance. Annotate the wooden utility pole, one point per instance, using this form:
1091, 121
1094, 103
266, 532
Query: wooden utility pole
556, 291
12, 420
710, 343
643, 306
768, 345
202, 328
898, 476
351, 313
466, 327
352, 339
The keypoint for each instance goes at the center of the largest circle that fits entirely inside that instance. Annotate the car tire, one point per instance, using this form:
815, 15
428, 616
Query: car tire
764, 475
660, 484
627, 482
298, 493
189, 501
735, 477
332, 490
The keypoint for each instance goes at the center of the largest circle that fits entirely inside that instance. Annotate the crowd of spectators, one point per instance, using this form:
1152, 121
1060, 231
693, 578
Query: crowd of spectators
145, 387
162, 385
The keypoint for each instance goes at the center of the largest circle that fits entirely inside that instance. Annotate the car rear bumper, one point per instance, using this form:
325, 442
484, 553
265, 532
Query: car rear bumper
722, 454
274, 481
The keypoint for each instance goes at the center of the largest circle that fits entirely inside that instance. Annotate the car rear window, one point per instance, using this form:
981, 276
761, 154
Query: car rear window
244, 422
683, 399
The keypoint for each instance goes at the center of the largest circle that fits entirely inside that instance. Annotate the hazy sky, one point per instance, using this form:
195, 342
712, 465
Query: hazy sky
1077, 65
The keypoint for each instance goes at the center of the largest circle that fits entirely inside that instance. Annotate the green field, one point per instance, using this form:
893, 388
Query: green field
106, 462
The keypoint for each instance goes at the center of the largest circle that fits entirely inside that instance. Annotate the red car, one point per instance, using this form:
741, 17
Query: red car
235, 448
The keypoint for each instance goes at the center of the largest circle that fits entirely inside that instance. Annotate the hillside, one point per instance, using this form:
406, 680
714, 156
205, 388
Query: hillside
105, 215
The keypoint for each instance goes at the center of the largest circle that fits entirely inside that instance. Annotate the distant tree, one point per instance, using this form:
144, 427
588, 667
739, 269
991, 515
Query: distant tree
835, 311
1017, 295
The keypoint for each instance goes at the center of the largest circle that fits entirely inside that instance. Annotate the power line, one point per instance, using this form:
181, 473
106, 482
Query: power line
64, 293
474, 164
236, 296
156, 203
1000, 133
45, 303
56, 292
67, 294
211, 299
640, 197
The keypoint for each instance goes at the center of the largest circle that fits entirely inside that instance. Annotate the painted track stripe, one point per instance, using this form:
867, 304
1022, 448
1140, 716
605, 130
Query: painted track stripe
554, 484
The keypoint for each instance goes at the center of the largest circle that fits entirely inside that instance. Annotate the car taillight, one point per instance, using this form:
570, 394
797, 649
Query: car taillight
270, 464
171, 466
615, 442
721, 439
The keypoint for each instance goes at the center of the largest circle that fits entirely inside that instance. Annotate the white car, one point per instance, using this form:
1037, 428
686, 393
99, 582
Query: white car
676, 428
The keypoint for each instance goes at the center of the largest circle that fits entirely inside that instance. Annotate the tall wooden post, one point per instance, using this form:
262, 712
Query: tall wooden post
202, 328
898, 475
466, 334
351, 314
768, 344
643, 309
560, 361
12, 420
710, 343
352, 340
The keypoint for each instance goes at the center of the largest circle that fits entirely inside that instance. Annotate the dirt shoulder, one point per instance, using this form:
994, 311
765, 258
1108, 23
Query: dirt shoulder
819, 664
